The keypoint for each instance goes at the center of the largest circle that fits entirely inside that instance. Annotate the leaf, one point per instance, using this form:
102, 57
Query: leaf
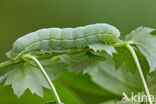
7, 97
3, 77
143, 62
102, 48
23, 76
83, 83
27, 75
67, 95
81, 61
5, 69
53, 68
124, 58
151, 81
115, 81
145, 40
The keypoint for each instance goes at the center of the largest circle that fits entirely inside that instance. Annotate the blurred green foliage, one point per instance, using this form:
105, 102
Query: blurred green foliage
85, 92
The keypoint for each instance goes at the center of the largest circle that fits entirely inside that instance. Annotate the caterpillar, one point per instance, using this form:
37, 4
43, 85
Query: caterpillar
52, 39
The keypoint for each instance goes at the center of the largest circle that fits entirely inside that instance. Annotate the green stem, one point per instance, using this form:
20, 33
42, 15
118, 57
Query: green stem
130, 48
47, 78
6, 63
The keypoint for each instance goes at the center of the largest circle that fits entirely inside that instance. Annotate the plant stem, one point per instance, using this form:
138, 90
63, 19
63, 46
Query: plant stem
130, 48
47, 78
6, 63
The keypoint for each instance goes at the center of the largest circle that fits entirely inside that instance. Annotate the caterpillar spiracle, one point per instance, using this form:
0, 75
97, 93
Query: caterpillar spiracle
53, 39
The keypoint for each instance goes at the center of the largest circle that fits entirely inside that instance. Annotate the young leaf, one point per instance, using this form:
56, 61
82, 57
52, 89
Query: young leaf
145, 40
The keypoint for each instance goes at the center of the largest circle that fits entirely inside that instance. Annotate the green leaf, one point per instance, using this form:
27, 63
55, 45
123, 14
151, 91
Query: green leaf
124, 58
145, 40
23, 76
3, 77
115, 81
143, 62
53, 68
7, 96
118, 102
5, 69
83, 83
27, 75
81, 61
102, 48
151, 81
67, 95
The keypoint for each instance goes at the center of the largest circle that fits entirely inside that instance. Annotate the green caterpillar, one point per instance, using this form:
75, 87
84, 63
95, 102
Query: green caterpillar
53, 39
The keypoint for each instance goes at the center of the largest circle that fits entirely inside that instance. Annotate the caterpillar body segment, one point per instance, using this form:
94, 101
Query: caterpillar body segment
52, 39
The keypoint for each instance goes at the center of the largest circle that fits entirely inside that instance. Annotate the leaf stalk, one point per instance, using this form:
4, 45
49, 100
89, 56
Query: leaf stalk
130, 48
46, 76
6, 63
